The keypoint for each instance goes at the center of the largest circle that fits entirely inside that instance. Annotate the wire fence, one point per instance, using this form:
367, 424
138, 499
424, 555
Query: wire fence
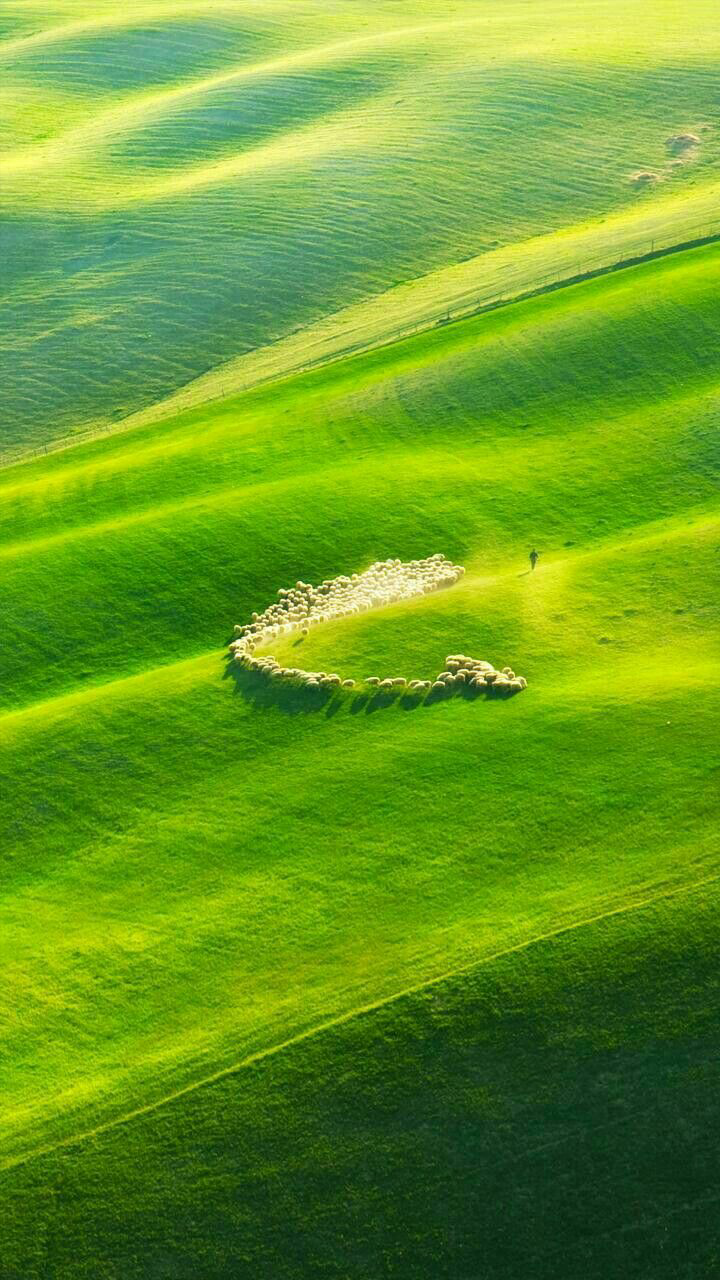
628, 255
463, 306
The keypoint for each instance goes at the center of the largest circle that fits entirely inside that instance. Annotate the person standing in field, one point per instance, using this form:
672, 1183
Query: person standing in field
534, 558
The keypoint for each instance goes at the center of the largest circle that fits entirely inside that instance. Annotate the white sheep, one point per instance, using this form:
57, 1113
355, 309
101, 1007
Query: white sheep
303, 606
384, 582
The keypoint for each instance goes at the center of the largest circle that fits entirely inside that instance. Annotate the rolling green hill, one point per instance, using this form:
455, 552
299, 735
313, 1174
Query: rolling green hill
225, 912
184, 183
350, 986
554, 1113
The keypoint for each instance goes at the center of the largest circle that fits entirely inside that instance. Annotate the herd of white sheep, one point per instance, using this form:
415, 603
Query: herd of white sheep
387, 581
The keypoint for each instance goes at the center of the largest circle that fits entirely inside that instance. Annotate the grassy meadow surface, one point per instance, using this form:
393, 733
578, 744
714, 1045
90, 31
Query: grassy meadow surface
206, 885
551, 1114
184, 183
358, 987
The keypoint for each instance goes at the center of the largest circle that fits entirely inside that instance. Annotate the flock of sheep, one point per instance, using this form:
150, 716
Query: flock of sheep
385, 582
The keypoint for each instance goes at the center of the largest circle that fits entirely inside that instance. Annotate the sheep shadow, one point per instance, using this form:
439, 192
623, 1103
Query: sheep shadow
412, 699
381, 699
288, 696
294, 698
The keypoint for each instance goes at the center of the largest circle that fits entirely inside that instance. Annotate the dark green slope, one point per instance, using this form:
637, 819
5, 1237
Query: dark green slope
554, 1113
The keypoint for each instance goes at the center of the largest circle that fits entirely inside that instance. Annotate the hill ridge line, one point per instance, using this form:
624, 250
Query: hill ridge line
127, 112
117, 18
350, 1015
185, 399
280, 62
161, 510
119, 462
221, 495
97, 690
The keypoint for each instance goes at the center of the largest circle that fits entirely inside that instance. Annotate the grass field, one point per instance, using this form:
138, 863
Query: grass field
183, 183
358, 988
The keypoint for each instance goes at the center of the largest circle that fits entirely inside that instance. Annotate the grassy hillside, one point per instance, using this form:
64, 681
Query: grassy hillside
350, 986
195, 874
572, 419
185, 182
553, 1113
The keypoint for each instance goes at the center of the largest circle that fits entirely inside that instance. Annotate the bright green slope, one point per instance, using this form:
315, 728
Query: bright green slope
193, 875
185, 181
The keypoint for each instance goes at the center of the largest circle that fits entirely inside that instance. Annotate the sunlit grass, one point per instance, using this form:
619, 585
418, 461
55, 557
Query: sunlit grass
358, 986
361, 848
188, 185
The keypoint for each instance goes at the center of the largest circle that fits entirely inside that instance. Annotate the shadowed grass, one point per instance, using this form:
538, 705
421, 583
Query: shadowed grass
455, 1131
